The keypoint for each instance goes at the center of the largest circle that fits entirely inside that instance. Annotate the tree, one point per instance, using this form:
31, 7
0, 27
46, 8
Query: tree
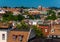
31, 17
26, 13
58, 15
51, 15
15, 18
37, 16
6, 7
9, 12
24, 7
8, 16
37, 31
20, 17
23, 25
50, 12
18, 26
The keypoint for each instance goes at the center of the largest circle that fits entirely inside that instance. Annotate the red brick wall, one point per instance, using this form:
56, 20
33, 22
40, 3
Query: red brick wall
43, 29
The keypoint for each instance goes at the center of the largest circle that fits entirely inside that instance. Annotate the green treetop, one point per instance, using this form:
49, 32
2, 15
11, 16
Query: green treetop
51, 15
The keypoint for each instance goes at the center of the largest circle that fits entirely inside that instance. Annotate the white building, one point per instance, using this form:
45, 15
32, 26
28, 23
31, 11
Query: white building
3, 35
35, 22
4, 29
2, 11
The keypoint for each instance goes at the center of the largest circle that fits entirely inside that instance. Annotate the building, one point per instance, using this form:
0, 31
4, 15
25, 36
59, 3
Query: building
9, 33
55, 31
57, 13
57, 21
3, 35
2, 12
34, 12
20, 35
4, 28
15, 11
35, 22
40, 8
45, 29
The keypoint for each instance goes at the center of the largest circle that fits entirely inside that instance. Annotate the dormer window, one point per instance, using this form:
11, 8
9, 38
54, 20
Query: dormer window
21, 37
14, 37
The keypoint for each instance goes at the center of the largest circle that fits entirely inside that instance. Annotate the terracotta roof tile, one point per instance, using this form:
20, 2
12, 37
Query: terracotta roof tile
4, 25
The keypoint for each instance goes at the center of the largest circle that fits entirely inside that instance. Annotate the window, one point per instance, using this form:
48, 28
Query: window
14, 37
20, 37
45, 30
58, 36
50, 36
3, 36
55, 36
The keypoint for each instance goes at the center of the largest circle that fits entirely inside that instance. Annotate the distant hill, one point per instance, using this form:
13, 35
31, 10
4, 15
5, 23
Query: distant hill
25, 7
55, 8
18, 7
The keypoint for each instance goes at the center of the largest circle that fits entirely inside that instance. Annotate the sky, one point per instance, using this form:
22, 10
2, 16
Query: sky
30, 3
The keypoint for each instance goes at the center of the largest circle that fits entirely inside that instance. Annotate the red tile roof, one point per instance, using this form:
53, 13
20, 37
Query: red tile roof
43, 27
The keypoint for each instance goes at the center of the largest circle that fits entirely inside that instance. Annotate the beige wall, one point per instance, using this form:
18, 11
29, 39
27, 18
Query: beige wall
11, 33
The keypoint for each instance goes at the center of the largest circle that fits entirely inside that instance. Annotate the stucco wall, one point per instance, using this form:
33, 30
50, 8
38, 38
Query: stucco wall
3, 32
17, 33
